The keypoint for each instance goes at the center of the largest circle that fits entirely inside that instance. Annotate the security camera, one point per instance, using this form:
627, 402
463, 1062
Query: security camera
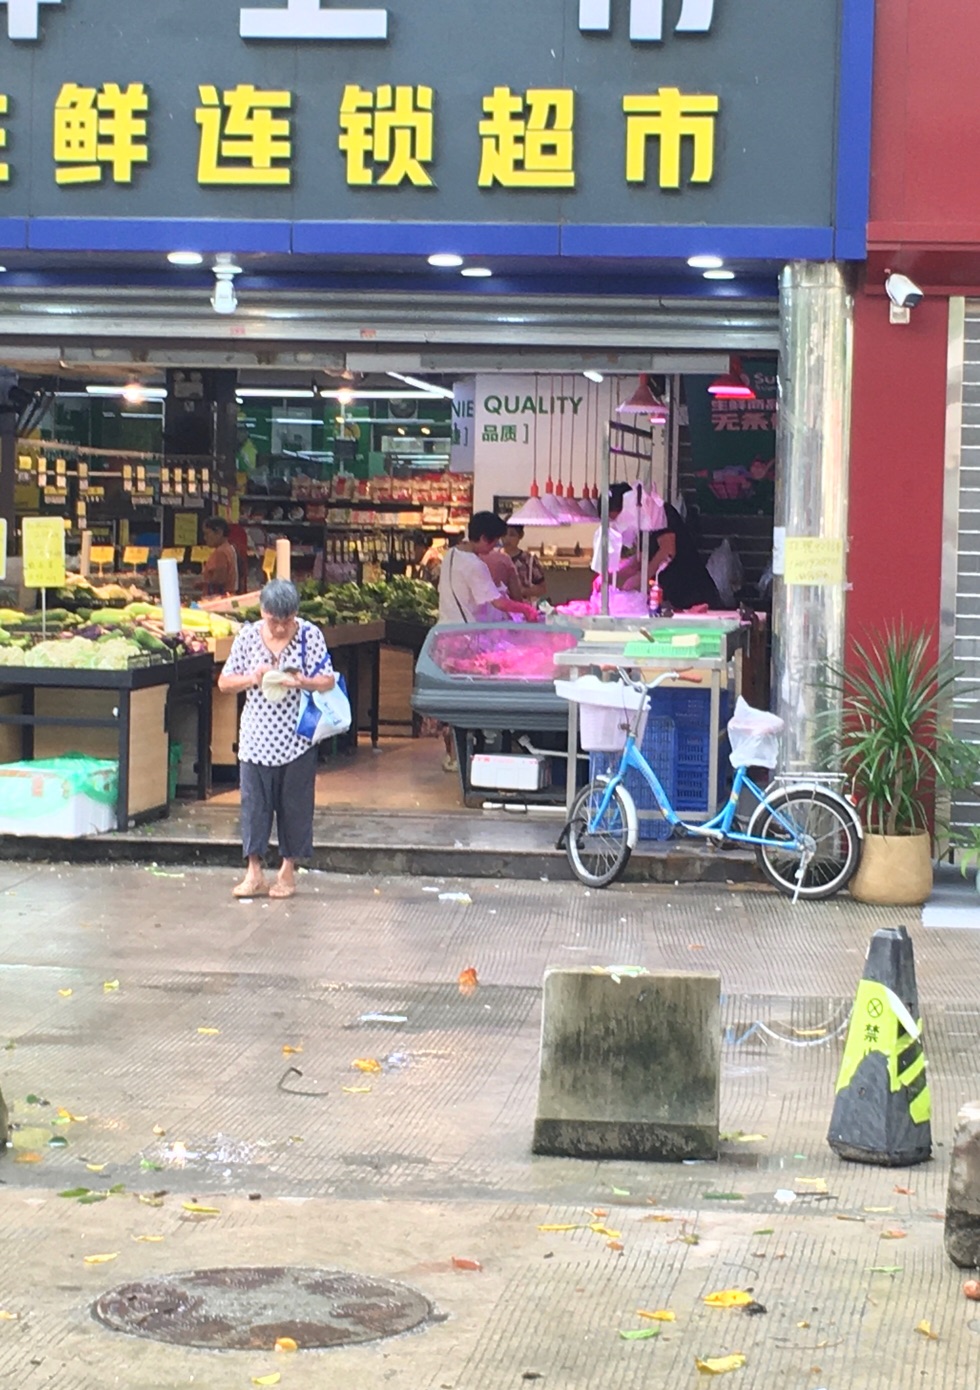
224, 300
903, 292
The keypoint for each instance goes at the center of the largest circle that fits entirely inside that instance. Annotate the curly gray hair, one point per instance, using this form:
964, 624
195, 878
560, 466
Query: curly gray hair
280, 599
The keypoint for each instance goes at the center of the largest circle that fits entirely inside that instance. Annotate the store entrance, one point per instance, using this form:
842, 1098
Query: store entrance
360, 483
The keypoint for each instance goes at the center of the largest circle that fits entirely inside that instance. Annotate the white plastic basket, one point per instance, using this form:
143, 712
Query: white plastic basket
603, 728
606, 710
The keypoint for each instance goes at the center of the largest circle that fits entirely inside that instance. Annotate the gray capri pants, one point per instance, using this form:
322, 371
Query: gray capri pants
285, 792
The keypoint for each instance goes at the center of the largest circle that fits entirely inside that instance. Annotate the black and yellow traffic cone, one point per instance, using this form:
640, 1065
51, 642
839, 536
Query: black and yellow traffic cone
882, 1111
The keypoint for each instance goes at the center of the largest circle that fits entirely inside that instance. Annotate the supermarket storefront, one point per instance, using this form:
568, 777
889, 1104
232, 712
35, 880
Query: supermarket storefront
572, 158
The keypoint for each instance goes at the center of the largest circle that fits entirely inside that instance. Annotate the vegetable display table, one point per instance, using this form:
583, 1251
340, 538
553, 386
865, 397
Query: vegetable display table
123, 715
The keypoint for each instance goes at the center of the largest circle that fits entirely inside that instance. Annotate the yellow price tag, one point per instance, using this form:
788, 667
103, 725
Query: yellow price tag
103, 554
177, 554
44, 551
200, 554
269, 563
185, 528
136, 555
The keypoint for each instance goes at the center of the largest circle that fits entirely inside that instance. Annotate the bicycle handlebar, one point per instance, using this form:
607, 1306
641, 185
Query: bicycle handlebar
627, 679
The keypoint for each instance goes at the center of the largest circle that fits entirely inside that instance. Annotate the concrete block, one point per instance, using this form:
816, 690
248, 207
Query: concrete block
630, 1067
962, 1232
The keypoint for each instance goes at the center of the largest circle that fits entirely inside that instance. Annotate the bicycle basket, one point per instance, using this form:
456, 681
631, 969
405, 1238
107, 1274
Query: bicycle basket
606, 710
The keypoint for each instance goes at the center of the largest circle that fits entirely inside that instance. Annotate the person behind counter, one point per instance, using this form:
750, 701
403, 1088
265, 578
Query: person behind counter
528, 566
467, 591
277, 765
684, 580
220, 572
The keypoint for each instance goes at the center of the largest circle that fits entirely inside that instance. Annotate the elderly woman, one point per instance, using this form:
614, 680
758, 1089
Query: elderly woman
273, 661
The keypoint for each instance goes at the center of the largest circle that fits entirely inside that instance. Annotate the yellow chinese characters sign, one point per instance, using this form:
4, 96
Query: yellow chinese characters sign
99, 128
390, 127
670, 117
243, 141
814, 560
44, 552
527, 139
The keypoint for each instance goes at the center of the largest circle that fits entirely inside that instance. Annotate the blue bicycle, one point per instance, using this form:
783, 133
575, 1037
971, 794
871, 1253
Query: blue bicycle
806, 835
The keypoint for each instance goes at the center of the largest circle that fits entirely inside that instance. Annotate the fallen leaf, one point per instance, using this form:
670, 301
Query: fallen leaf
289, 1051
65, 1117
75, 1192
818, 1184
620, 1192
885, 1269
274, 1379
197, 1209
159, 1131
368, 1064
561, 1228
66, 993
356, 1090
878, 1209
842, 1216
723, 1196
728, 1298
599, 1213
101, 1259
29, 1158
209, 1032
719, 1365
468, 981
904, 1191
894, 1235
96, 1167
764, 1231
35, 1100
150, 1167
657, 1218
91, 1198
614, 1245
925, 1328
9, 1317
804, 1325
601, 1230
750, 1138
149, 1199
689, 1240
462, 1263
286, 1344
658, 1315
639, 1334
110, 985
148, 1240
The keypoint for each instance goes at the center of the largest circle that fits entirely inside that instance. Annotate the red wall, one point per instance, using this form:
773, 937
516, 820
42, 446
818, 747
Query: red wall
897, 463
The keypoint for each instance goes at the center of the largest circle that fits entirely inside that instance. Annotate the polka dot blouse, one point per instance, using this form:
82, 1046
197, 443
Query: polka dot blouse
268, 731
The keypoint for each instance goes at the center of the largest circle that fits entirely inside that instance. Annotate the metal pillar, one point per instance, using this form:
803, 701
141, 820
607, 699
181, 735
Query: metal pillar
816, 321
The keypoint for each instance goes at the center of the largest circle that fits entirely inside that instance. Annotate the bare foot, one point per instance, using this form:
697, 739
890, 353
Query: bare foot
282, 888
250, 888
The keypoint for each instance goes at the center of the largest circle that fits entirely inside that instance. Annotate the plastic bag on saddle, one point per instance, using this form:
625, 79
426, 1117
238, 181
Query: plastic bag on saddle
754, 735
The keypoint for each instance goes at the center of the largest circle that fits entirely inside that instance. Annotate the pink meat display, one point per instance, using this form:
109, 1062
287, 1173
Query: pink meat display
507, 654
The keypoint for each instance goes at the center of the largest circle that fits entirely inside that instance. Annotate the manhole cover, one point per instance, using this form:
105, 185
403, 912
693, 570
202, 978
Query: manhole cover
250, 1308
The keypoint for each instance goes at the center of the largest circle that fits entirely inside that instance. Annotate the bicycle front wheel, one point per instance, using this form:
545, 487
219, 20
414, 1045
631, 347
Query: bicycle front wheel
820, 857
599, 855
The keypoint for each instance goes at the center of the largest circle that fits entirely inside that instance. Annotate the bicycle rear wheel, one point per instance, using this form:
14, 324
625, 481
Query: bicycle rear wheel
823, 826
599, 856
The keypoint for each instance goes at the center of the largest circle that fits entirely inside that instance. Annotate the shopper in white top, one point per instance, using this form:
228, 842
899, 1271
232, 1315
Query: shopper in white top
467, 593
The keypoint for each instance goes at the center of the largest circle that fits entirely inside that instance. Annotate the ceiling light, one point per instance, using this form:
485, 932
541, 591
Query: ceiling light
719, 275
477, 272
705, 262
446, 260
344, 392
185, 258
642, 401
345, 395
533, 513
134, 393
597, 377
147, 393
3, 270
428, 386
275, 393
732, 385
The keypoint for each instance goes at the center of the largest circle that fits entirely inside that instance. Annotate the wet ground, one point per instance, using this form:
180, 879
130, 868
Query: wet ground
169, 1050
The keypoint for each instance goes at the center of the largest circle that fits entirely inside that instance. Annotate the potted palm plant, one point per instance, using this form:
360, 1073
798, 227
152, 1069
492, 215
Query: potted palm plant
892, 745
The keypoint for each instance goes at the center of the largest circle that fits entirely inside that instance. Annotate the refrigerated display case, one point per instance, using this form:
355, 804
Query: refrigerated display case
493, 683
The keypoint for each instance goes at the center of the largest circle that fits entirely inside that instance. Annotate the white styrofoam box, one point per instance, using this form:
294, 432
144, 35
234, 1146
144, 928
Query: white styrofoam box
522, 772
74, 817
